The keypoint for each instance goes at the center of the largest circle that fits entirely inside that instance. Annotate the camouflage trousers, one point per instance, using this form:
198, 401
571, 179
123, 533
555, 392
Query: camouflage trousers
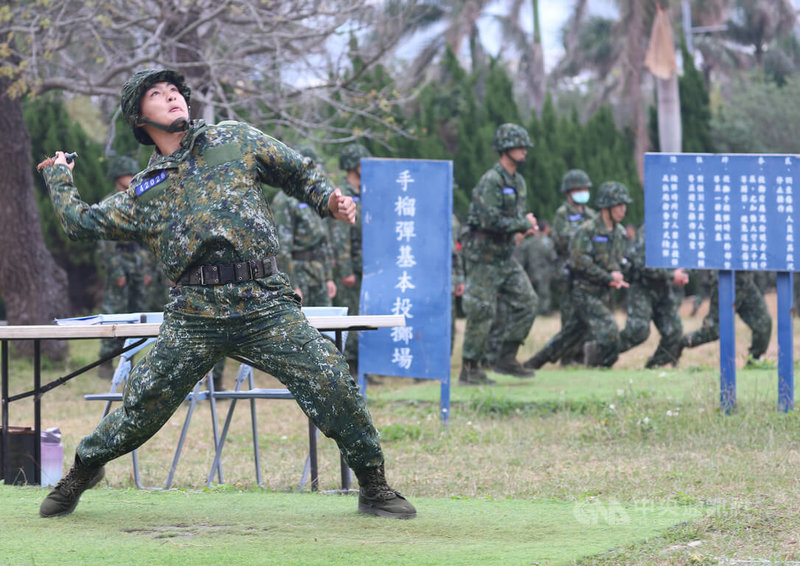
658, 303
128, 298
261, 321
500, 287
542, 285
750, 306
590, 319
349, 297
573, 354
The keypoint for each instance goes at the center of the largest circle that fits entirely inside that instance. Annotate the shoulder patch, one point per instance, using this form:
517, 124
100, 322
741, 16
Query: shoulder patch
222, 154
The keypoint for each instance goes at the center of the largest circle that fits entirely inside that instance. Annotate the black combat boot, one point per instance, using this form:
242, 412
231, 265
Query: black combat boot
67, 492
375, 497
507, 361
537, 360
472, 374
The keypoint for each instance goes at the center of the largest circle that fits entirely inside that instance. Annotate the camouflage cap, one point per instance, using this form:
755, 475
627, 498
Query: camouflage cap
575, 179
509, 136
612, 193
122, 165
134, 88
351, 155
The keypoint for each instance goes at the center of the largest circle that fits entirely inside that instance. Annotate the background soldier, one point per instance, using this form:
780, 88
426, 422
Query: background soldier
568, 218
654, 294
595, 263
496, 213
305, 255
749, 305
347, 246
457, 284
537, 256
124, 264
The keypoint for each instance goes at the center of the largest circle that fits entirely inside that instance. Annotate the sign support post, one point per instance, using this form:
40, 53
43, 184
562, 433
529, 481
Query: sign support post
785, 343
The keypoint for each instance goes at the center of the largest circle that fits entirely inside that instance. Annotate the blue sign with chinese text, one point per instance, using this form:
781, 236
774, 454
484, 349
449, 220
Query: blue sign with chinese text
407, 210
730, 212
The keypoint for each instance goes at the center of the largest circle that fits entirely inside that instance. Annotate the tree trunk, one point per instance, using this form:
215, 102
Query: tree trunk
33, 286
536, 76
634, 61
669, 115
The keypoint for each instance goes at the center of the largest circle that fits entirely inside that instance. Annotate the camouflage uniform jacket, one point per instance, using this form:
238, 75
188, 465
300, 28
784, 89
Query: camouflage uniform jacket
537, 257
594, 253
496, 213
203, 204
301, 231
638, 272
347, 238
566, 222
457, 265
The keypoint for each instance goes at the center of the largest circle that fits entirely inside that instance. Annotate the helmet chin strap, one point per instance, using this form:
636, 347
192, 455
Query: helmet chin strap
179, 125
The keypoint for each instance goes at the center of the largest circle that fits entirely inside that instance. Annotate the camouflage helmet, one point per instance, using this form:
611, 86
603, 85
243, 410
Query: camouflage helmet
308, 151
509, 136
351, 155
122, 165
575, 179
134, 88
612, 193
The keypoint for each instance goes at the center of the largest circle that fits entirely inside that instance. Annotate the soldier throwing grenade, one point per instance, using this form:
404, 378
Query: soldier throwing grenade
199, 207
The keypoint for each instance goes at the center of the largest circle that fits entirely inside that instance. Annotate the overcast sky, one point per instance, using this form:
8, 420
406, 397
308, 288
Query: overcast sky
552, 16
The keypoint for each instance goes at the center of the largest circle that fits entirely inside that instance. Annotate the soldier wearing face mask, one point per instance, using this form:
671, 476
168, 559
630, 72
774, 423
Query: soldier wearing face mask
569, 216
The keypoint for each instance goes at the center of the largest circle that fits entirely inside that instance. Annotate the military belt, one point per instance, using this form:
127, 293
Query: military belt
493, 236
224, 273
308, 255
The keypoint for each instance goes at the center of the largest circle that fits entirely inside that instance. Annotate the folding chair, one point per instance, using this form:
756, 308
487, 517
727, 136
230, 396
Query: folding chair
310, 469
252, 393
121, 374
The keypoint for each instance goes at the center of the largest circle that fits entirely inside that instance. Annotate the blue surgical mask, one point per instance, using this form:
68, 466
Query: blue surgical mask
581, 197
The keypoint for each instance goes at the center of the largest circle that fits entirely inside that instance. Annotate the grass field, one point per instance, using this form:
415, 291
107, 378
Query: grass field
620, 466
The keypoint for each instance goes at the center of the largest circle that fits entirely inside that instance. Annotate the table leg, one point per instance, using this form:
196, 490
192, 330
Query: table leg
37, 412
4, 371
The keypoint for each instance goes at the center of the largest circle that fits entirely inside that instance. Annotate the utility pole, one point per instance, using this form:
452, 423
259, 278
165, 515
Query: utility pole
686, 13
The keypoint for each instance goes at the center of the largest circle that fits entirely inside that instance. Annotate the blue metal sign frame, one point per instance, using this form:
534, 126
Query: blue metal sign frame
407, 208
728, 212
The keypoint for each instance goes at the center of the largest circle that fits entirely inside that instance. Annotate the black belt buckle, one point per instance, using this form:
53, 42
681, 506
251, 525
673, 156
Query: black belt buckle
256, 268
209, 275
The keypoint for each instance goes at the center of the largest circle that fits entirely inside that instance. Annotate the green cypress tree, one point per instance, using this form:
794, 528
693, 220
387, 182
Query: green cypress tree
52, 130
695, 107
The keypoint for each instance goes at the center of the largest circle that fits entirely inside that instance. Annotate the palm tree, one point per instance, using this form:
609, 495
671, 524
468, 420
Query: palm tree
758, 23
460, 21
530, 69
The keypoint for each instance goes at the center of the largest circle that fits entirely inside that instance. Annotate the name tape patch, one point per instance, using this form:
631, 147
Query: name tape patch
145, 186
574, 217
600, 239
509, 191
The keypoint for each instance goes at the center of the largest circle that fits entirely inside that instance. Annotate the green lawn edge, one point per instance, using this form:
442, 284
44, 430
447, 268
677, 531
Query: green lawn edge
259, 527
